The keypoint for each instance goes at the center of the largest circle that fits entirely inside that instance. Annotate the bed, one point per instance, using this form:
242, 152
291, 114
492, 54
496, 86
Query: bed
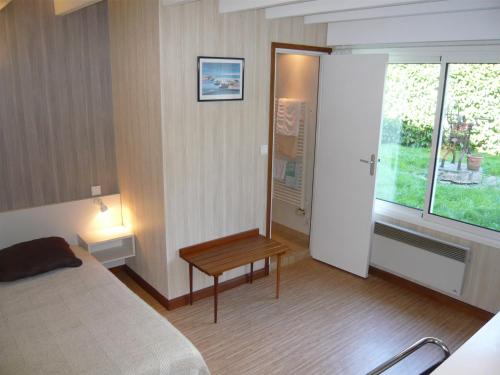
85, 321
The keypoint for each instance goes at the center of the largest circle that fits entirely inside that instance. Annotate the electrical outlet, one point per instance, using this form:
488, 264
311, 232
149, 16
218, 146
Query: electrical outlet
95, 190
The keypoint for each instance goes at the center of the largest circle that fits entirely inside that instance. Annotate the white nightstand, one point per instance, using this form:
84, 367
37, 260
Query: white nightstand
109, 245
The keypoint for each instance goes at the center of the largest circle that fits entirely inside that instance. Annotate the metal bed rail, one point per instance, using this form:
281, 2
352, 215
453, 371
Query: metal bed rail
410, 350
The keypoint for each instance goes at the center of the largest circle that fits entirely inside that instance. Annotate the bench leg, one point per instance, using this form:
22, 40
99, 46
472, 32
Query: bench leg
266, 267
251, 272
190, 284
216, 287
278, 264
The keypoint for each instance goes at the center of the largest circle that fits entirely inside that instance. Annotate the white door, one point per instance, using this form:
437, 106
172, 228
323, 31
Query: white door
349, 118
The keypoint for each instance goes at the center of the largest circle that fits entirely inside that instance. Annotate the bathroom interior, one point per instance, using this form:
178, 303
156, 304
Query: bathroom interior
295, 120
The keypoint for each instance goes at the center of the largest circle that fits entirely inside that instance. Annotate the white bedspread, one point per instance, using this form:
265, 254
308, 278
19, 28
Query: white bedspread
85, 321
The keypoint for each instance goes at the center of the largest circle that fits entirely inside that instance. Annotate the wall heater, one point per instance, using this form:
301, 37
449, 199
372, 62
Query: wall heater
425, 260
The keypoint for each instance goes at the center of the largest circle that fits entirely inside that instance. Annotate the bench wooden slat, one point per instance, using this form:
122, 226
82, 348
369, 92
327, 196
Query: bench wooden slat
223, 250
219, 241
215, 257
239, 254
223, 256
223, 265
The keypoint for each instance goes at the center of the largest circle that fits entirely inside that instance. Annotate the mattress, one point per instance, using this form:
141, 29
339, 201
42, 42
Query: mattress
85, 321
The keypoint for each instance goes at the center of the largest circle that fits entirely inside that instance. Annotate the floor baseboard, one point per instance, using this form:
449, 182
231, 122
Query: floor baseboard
184, 299
440, 297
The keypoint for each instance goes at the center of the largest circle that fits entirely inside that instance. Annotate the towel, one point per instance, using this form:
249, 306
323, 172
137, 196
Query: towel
279, 169
292, 175
286, 145
288, 116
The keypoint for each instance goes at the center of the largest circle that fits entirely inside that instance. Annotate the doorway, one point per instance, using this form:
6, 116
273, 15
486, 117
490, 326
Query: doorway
292, 134
348, 115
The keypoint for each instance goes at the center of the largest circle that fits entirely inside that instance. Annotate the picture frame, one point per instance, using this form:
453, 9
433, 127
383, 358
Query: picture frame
220, 78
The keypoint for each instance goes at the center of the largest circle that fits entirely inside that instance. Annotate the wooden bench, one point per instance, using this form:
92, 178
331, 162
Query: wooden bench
223, 254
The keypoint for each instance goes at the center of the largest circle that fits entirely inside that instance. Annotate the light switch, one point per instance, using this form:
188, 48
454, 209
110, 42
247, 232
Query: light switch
95, 190
264, 150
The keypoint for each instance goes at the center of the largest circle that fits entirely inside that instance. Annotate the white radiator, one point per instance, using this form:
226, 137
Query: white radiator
422, 259
294, 196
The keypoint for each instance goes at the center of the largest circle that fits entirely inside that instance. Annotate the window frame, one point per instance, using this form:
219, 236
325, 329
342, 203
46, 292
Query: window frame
424, 217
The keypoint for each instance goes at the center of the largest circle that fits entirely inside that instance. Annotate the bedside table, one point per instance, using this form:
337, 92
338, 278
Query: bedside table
109, 245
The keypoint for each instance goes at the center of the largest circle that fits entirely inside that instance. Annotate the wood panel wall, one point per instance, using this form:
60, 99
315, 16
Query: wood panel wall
56, 125
214, 172
135, 65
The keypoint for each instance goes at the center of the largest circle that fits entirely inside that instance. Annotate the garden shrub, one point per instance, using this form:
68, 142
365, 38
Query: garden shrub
406, 133
410, 103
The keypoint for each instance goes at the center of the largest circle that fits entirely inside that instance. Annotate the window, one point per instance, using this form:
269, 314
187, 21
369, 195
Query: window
467, 172
462, 150
408, 121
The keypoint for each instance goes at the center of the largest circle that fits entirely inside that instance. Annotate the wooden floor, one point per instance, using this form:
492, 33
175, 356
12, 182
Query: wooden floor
297, 242
325, 322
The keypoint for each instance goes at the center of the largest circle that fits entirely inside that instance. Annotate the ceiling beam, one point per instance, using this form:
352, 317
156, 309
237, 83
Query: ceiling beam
404, 10
4, 3
480, 25
325, 6
227, 6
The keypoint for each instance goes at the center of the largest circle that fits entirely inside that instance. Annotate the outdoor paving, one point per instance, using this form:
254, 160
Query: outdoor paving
466, 177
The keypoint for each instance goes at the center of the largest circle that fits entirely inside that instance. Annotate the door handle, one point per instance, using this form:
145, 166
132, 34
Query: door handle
371, 163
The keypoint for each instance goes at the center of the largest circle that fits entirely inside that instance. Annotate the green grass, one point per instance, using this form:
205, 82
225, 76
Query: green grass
402, 179
402, 175
491, 165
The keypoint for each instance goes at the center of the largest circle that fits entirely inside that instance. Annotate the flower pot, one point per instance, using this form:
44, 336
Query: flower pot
474, 162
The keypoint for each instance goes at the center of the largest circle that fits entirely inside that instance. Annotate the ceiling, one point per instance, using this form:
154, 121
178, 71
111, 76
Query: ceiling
383, 22
328, 11
368, 22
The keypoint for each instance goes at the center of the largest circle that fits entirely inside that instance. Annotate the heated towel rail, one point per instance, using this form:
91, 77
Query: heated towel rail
412, 349
294, 196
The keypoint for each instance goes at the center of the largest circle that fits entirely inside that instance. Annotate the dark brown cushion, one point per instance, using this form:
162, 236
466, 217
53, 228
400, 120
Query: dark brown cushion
34, 257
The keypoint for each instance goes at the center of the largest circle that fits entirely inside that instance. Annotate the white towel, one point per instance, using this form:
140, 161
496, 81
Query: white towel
279, 169
288, 116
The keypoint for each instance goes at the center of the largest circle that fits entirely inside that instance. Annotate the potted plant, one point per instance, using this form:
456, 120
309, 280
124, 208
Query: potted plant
474, 161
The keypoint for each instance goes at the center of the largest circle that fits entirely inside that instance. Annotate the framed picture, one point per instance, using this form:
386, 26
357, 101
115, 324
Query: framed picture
220, 78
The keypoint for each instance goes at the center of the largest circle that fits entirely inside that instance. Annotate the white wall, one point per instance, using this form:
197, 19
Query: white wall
62, 220
451, 27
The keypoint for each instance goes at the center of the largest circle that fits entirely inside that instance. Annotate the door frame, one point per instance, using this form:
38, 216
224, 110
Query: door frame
275, 46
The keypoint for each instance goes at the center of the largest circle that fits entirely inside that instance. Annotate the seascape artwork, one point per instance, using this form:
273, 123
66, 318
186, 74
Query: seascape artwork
220, 79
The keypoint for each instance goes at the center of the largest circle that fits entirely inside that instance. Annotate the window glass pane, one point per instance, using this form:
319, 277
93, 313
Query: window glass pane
408, 119
467, 186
